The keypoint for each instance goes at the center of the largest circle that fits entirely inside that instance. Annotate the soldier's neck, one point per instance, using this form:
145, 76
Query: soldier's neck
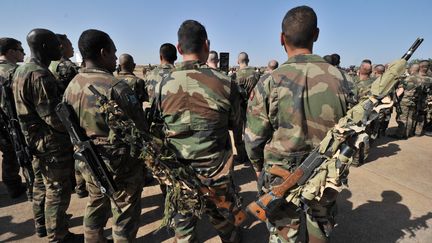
194, 57
295, 51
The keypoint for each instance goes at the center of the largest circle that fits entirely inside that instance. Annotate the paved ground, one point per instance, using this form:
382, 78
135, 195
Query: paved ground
389, 199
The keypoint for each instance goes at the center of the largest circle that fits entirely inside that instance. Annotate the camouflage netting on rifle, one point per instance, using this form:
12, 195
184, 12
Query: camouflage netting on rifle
183, 194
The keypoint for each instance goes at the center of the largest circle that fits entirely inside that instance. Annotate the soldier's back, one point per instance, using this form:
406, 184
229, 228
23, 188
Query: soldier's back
36, 95
136, 84
302, 100
85, 103
155, 76
196, 108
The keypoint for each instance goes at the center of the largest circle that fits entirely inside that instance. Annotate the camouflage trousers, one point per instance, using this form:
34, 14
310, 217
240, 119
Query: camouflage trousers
10, 166
128, 176
78, 180
51, 195
409, 123
239, 140
185, 224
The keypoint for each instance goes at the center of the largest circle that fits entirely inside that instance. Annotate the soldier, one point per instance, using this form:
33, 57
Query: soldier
11, 52
290, 113
198, 105
167, 55
126, 68
64, 69
412, 96
246, 78
213, 60
272, 65
36, 93
350, 87
98, 52
364, 80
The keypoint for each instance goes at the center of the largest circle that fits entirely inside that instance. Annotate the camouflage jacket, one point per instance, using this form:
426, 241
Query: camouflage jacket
198, 105
64, 71
136, 84
7, 70
351, 89
155, 76
364, 86
291, 110
416, 89
247, 78
36, 95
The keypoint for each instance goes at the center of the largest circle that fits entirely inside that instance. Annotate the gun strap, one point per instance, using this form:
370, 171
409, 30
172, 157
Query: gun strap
302, 235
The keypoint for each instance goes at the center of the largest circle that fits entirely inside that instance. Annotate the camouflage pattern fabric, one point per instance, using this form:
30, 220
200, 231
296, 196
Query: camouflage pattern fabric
137, 85
247, 78
289, 113
185, 224
64, 70
198, 106
36, 95
10, 166
364, 87
413, 105
126, 170
155, 76
351, 89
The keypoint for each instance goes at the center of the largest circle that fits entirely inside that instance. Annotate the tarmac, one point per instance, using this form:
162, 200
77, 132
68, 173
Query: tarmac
389, 199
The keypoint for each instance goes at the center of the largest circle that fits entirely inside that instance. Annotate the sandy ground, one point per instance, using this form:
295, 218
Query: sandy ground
389, 199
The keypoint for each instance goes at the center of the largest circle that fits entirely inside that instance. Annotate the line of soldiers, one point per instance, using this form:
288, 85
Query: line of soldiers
276, 119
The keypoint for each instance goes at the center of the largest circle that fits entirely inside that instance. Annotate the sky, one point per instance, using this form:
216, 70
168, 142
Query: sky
380, 30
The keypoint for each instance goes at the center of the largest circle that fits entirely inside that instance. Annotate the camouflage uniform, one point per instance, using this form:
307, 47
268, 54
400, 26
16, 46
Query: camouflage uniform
65, 70
364, 86
413, 105
36, 95
155, 76
290, 112
199, 105
246, 78
10, 166
137, 85
127, 171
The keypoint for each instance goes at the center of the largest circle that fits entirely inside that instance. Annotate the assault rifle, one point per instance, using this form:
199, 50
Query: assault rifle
187, 192
87, 151
22, 152
339, 145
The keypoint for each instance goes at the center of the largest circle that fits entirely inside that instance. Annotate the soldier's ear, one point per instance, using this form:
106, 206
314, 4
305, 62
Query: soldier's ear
316, 34
179, 49
282, 39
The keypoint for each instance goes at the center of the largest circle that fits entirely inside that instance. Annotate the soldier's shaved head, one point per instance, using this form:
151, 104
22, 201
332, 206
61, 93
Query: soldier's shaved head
44, 45
168, 53
424, 67
97, 49
7, 44
191, 37
243, 58
126, 63
365, 69
272, 65
379, 70
66, 45
414, 69
299, 27
213, 59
